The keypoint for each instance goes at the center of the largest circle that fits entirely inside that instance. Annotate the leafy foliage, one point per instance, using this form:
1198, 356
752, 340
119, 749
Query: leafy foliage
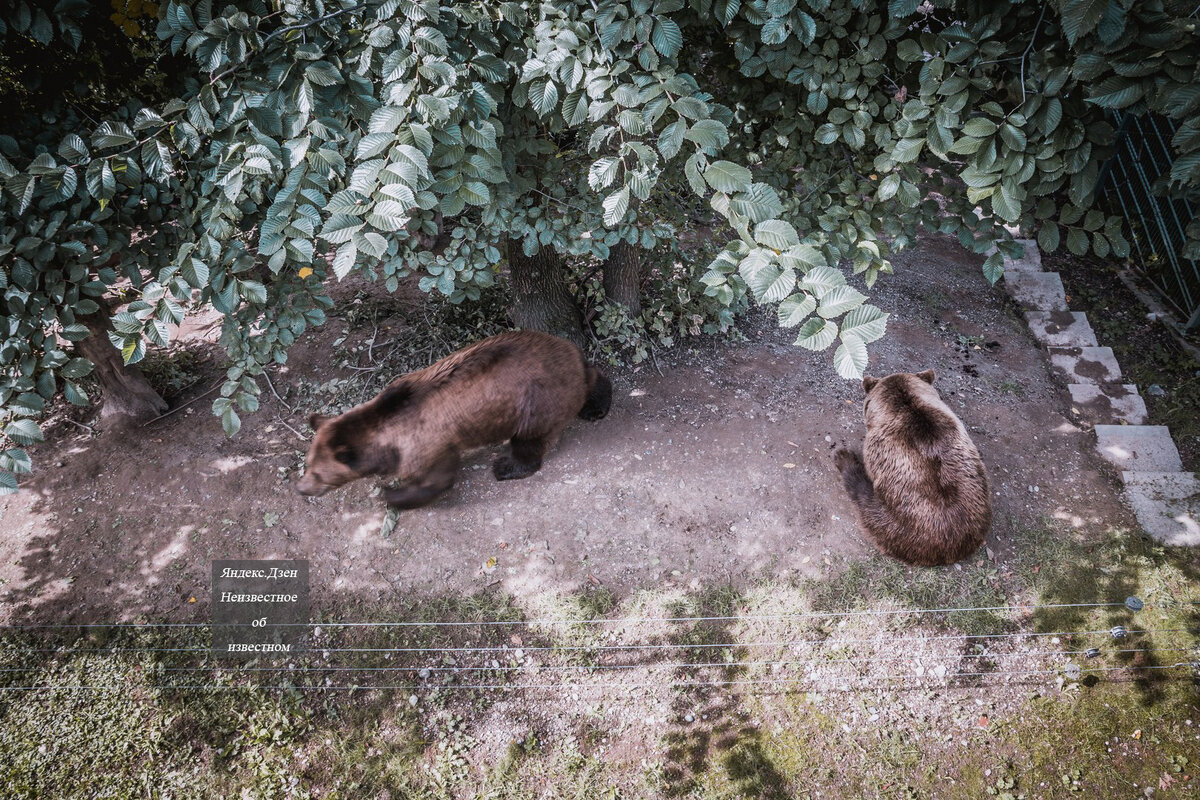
414, 137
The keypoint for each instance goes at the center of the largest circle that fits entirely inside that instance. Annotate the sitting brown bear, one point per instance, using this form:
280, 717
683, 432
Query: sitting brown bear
522, 386
919, 485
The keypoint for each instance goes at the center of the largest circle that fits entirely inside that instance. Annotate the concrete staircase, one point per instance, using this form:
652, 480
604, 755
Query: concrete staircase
1165, 499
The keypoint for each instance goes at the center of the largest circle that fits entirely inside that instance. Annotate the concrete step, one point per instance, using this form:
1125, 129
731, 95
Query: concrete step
1086, 364
1108, 403
1031, 262
1140, 448
1041, 291
1167, 505
1061, 328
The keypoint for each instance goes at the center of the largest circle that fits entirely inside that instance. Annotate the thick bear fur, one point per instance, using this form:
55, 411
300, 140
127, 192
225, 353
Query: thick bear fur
522, 386
919, 485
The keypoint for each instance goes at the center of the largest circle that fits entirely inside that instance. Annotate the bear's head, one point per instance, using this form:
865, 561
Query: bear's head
896, 394
344, 449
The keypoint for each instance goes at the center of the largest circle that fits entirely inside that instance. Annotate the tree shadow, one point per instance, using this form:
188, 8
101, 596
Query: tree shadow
708, 721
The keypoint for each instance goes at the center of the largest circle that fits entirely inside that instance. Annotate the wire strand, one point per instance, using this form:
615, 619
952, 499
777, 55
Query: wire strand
607, 647
660, 665
560, 686
580, 621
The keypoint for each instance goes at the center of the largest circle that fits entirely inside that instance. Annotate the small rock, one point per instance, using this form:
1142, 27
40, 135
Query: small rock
1154, 390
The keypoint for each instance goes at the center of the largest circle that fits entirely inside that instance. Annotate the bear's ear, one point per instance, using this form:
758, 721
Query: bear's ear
317, 420
926, 376
869, 383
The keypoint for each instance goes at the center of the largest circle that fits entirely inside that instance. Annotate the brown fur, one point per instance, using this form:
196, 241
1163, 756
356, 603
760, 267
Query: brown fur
919, 485
522, 386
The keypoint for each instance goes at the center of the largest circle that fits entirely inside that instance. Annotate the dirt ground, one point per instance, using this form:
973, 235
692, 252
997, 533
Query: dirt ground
713, 466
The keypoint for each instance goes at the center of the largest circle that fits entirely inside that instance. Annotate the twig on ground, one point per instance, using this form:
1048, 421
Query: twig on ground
80, 425
216, 386
271, 386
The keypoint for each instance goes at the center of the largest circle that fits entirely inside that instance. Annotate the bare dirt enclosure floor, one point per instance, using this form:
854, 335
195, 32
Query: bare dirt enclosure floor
718, 470
709, 489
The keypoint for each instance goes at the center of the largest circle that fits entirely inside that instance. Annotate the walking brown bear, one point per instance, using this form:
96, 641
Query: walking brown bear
522, 386
919, 485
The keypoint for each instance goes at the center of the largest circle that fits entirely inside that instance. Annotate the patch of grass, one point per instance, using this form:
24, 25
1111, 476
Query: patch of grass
1092, 738
1011, 387
879, 580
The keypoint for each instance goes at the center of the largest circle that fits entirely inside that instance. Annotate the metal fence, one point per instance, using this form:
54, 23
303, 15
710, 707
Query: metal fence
1133, 184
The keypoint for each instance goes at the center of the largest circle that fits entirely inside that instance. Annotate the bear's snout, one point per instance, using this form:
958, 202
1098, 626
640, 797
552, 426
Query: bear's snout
307, 487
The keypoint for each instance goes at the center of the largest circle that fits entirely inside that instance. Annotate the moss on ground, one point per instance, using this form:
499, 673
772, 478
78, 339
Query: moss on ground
1108, 734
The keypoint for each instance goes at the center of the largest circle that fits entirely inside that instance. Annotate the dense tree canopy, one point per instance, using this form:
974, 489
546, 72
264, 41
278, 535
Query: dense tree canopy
283, 145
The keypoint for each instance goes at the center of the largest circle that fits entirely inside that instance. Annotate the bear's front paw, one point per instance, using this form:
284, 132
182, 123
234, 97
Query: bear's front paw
845, 458
508, 468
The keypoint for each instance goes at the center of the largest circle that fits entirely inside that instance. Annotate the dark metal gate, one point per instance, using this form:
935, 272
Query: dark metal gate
1133, 183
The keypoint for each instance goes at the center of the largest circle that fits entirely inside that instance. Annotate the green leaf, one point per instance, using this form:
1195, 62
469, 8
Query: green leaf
866, 323
666, 38
840, 299
708, 133
979, 127
1077, 241
615, 206
909, 50
817, 334
993, 267
760, 203
795, 309
850, 359
727, 177
1048, 236
231, 422
902, 8
8, 483
76, 368
1116, 92
826, 134
888, 187
907, 150
770, 284
1012, 136
112, 134
24, 431
805, 257
344, 260
543, 96
1080, 17
821, 280
776, 234
339, 228
195, 272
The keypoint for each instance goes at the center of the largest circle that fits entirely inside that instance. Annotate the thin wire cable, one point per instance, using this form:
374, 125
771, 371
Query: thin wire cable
592, 620
607, 647
660, 665
560, 686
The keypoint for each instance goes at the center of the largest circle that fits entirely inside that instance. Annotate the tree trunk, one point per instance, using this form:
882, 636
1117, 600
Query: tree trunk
126, 395
541, 300
623, 277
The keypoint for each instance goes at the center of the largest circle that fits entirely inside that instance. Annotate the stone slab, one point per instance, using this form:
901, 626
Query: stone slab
1086, 364
1031, 262
1061, 328
1041, 291
1108, 403
1167, 505
1140, 448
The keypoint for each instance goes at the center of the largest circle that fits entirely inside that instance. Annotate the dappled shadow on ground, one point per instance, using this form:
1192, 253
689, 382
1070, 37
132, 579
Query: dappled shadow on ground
1151, 590
706, 720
